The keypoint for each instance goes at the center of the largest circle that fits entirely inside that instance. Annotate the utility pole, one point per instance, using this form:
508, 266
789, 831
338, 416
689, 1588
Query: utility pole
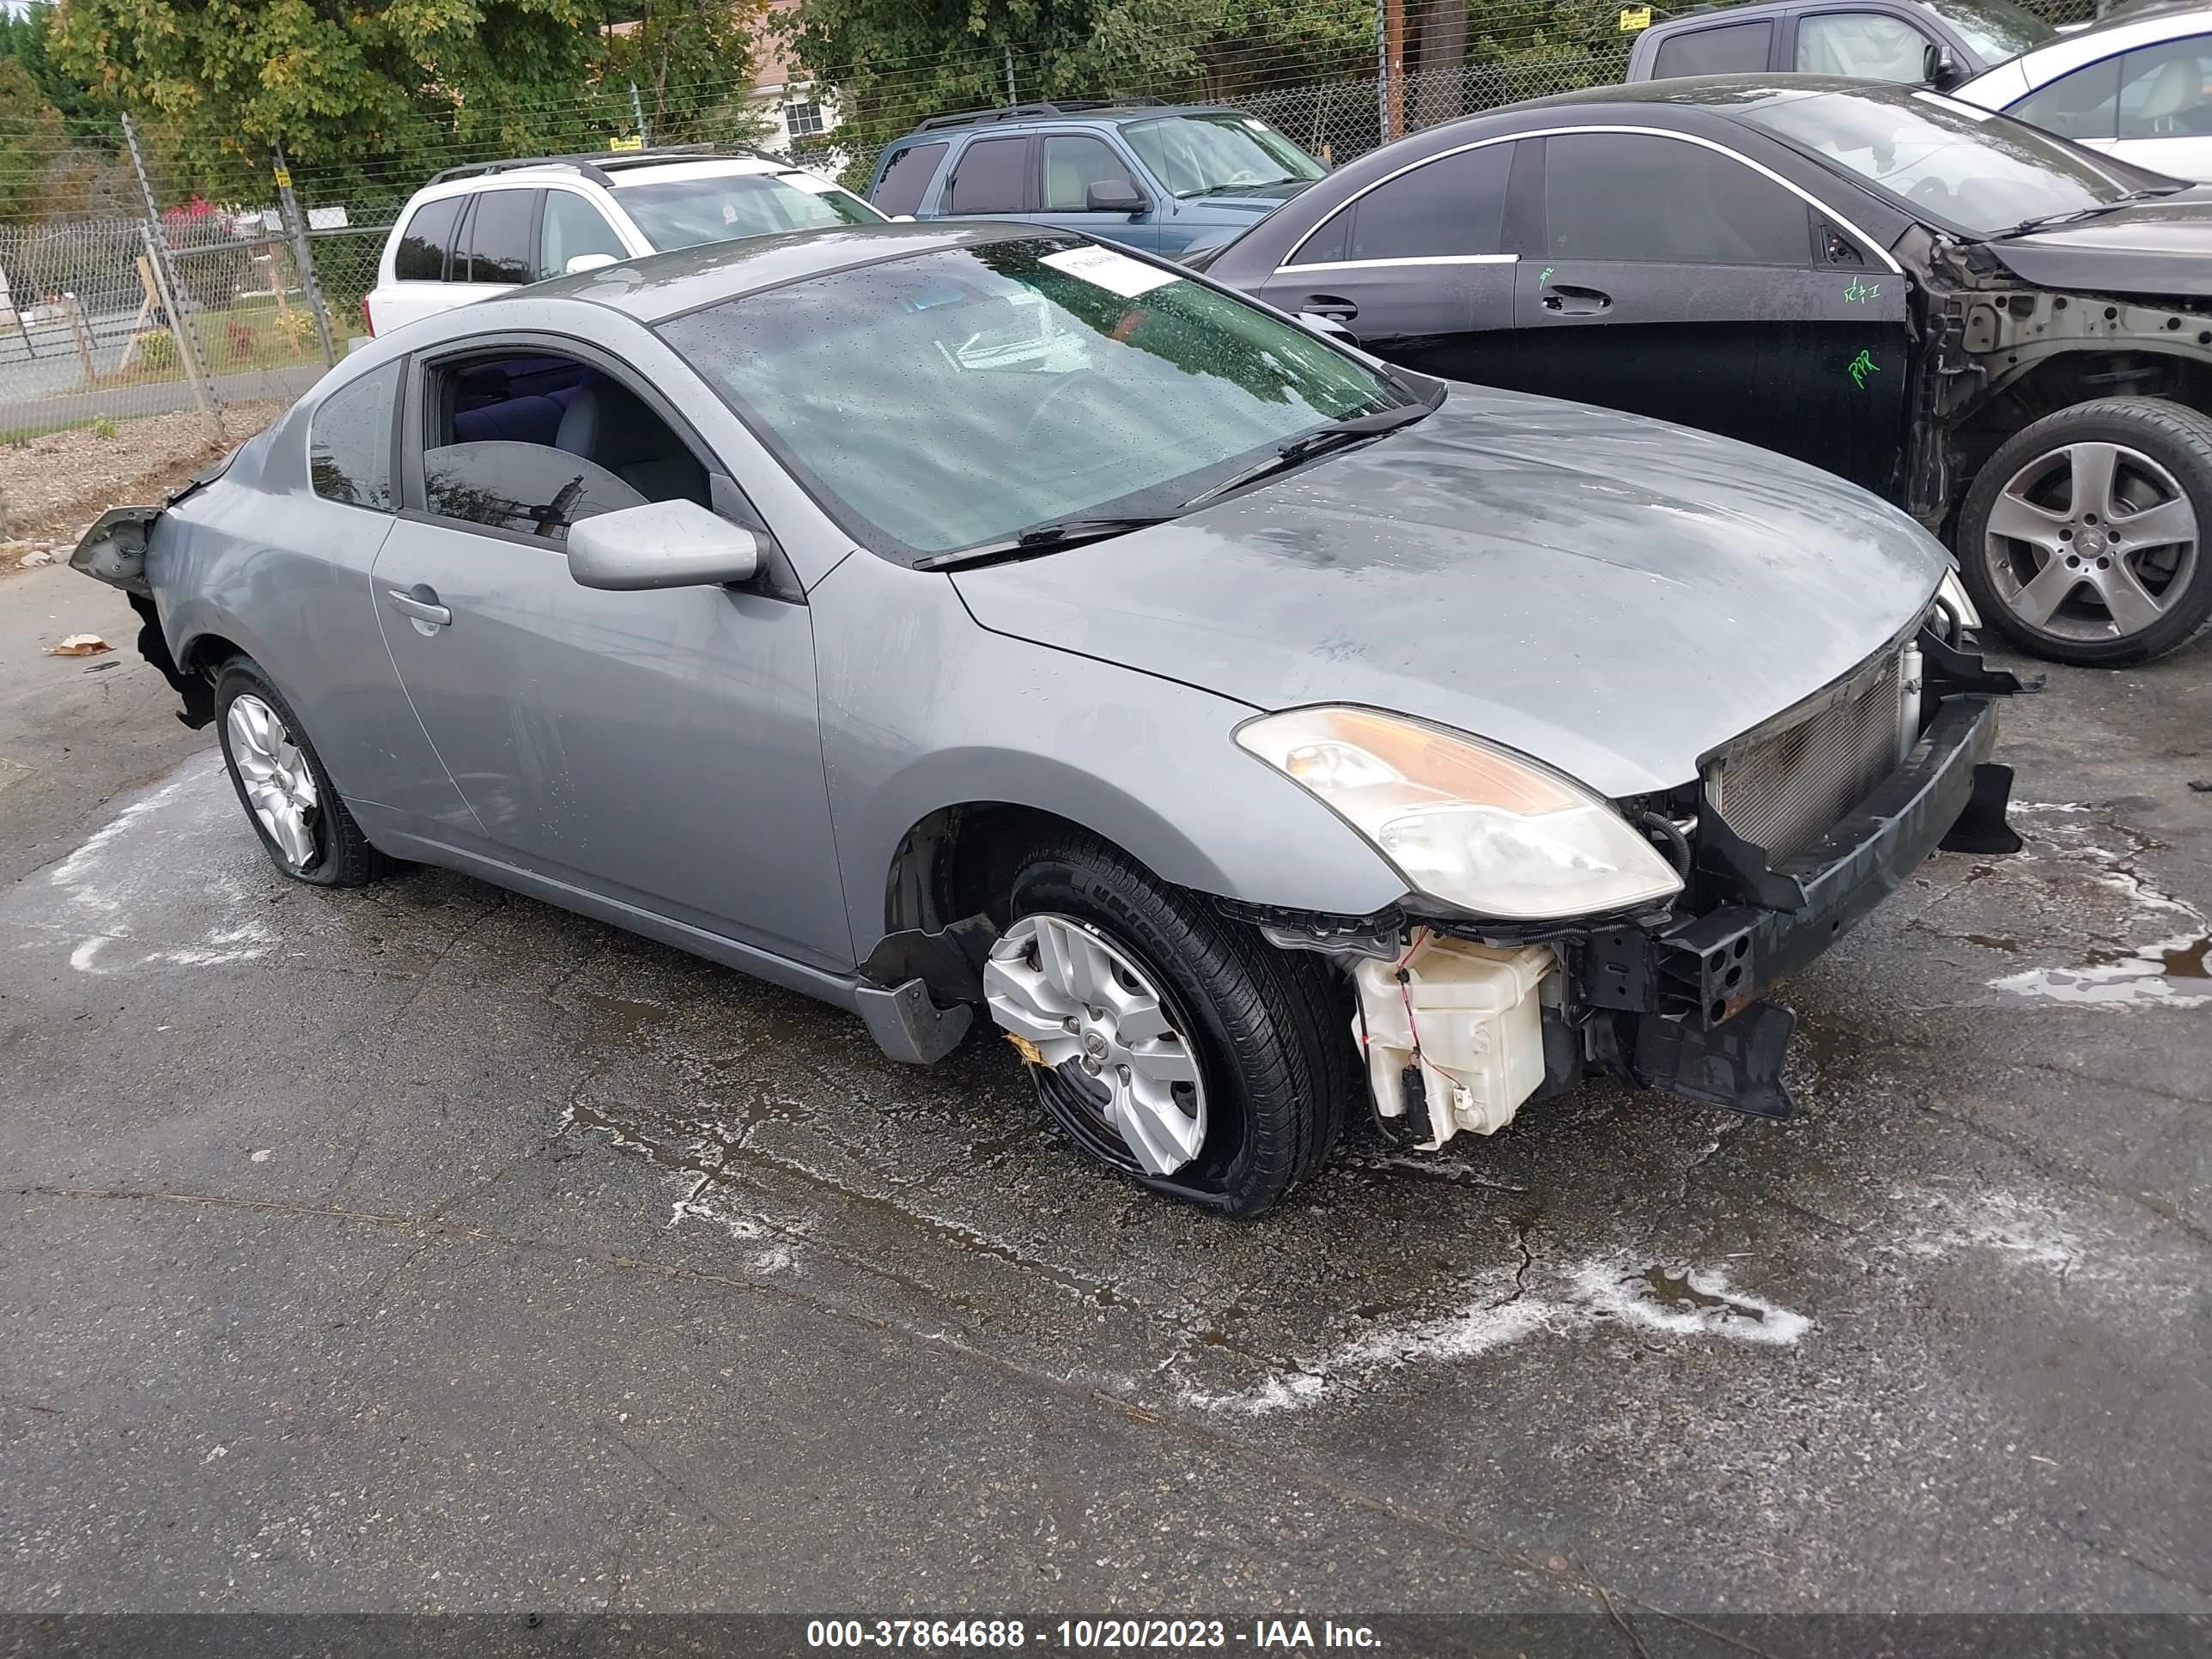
1010, 100
637, 109
182, 329
1394, 67
295, 224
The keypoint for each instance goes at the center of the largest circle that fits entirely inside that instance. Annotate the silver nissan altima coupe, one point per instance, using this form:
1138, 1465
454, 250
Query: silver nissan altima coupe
977, 624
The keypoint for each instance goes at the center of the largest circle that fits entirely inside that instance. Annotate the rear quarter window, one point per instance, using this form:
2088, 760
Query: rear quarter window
349, 442
906, 179
423, 248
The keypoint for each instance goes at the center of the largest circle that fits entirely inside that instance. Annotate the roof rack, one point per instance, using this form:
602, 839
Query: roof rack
1028, 112
599, 165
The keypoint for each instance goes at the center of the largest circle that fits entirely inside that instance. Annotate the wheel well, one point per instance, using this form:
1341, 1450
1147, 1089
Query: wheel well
207, 654
960, 861
2059, 382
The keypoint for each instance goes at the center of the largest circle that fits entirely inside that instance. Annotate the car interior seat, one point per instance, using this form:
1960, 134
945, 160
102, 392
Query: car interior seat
606, 423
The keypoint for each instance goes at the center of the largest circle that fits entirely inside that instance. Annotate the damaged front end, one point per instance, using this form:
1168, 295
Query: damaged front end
1460, 1021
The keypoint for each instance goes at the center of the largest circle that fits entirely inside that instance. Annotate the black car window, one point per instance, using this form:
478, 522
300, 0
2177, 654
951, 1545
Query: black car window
572, 228
2162, 90
1455, 204
1616, 195
501, 245
349, 442
992, 176
533, 444
1729, 50
1073, 163
421, 255
2083, 105
1872, 44
905, 180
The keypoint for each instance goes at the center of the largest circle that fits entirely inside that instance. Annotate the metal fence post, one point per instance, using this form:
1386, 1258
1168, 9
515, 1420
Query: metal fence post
637, 109
295, 225
181, 327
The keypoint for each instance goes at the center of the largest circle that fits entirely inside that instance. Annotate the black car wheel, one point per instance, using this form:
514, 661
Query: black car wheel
2082, 538
1168, 1041
306, 829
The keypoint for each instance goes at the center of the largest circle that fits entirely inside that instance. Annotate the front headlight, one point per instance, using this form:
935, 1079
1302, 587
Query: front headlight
1464, 821
1951, 594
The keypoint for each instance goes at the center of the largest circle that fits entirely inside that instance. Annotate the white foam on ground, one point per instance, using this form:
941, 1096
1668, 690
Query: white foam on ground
1592, 1294
2137, 979
125, 882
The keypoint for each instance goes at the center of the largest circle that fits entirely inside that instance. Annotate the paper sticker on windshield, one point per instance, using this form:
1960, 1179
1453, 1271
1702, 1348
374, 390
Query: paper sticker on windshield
1117, 273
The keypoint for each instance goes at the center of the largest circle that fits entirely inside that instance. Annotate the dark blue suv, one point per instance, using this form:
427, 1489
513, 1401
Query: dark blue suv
1171, 179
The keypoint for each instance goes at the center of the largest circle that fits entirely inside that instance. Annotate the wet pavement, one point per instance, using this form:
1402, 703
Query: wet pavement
426, 1248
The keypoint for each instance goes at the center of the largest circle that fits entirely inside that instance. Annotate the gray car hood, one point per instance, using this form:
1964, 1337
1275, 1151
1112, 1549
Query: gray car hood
1613, 595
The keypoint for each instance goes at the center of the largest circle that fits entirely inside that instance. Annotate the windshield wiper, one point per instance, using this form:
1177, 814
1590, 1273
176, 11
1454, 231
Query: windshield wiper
2029, 227
1306, 445
1051, 536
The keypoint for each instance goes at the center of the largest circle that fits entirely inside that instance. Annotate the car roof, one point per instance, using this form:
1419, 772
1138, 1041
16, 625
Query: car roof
1728, 14
655, 287
1713, 94
1074, 111
2151, 26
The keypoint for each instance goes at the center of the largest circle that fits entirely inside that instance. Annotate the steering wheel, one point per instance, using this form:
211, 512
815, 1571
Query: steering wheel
1073, 380
1930, 192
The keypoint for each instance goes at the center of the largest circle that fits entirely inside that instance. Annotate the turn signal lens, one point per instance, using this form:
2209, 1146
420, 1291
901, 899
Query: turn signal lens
1465, 821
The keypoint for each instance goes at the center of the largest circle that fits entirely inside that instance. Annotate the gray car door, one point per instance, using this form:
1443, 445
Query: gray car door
661, 749
1678, 280
1416, 265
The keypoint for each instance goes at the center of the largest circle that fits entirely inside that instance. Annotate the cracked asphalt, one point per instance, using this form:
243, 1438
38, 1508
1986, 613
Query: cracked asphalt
426, 1248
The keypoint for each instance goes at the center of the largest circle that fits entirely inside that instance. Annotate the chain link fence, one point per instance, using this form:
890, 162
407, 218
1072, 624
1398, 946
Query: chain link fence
225, 311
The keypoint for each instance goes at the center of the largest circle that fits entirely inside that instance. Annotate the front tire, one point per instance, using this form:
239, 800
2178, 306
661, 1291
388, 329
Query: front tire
2087, 537
1169, 1043
304, 827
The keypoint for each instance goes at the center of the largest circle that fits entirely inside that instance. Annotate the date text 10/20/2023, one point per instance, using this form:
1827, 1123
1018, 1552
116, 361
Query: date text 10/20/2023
1278, 1634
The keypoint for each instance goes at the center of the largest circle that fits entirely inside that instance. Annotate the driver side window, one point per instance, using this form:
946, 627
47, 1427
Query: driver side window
2083, 105
531, 444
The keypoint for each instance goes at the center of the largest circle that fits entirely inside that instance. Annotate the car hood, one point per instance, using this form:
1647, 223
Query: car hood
2162, 246
1253, 203
1613, 595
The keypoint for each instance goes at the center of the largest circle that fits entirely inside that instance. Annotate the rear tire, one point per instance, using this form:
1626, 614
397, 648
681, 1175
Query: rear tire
1269, 1031
2058, 545
304, 827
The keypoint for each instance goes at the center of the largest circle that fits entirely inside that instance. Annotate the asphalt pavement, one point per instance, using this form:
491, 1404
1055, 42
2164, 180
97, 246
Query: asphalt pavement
426, 1248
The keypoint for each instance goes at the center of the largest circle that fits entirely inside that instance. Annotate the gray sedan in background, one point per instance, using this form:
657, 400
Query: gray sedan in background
977, 624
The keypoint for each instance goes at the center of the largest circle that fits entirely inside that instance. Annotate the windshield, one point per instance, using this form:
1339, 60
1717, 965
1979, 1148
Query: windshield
1996, 29
686, 212
1980, 171
1202, 154
958, 397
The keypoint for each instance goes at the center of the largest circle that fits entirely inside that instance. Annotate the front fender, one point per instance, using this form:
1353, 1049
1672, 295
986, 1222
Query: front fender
923, 709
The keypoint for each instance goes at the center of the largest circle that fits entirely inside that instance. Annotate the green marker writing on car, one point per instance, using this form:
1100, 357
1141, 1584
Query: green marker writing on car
1860, 367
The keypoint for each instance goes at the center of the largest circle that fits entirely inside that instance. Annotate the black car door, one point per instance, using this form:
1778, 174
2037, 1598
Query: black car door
1415, 266
1668, 276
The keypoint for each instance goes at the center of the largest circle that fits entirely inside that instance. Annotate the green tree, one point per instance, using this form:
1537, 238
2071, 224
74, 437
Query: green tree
27, 37
692, 64
380, 87
31, 136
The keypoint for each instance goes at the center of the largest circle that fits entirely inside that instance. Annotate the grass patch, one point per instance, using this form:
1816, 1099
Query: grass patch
233, 339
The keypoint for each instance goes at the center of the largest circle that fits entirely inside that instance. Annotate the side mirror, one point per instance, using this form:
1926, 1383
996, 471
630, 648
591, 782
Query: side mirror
584, 262
1937, 67
1328, 328
1114, 195
676, 543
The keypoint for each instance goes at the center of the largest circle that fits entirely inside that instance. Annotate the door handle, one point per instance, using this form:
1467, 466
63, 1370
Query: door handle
1330, 306
1570, 301
419, 604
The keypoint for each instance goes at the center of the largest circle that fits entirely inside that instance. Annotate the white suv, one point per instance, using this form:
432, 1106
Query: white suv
476, 231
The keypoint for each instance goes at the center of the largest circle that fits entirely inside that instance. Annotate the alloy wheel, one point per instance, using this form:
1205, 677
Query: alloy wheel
280, 785
2091, 541
1087, 1010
